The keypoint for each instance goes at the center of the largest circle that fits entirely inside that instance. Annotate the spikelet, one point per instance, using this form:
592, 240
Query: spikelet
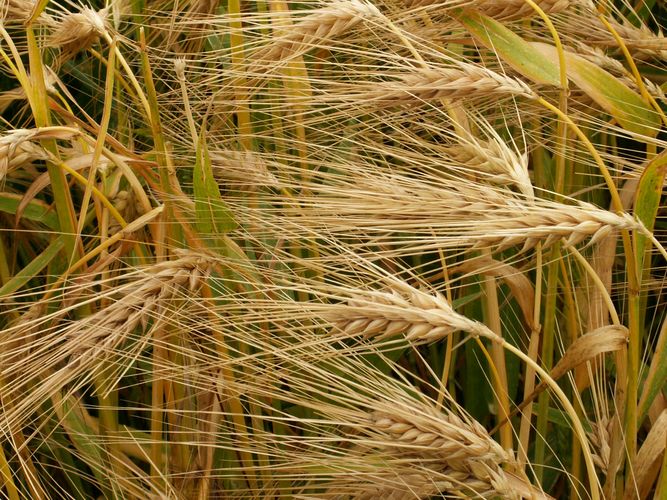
128, 206
517, 9
245, 171
599, 438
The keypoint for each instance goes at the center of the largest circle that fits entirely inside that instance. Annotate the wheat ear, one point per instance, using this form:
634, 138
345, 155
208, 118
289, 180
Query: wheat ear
447, 454
549, 226
422, 317
66, 353
465, 82
501, 9
426, 317
495, 158
320, 25
77, 31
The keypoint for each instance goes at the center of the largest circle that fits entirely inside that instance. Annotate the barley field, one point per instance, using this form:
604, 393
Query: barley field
333, 249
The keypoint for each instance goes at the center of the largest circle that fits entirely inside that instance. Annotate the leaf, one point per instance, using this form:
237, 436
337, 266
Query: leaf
35, 210
562, 419
73, 418
212, 216
625, 105
600, 341
587, 347
647, 202
656, 380
647, 462
511, 48
34, 267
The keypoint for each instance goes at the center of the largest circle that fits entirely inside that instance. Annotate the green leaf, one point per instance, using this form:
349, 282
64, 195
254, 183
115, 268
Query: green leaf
85, 440
34, 267
36, 210
647, 202
625, 105
562, 419
656, 380
511, 48
646, 205
212, 216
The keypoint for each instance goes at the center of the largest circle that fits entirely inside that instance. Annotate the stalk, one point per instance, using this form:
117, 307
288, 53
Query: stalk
497, 361
7, 479
295, 79
167, 172
548, 330
40, 111
533, 346
236, 44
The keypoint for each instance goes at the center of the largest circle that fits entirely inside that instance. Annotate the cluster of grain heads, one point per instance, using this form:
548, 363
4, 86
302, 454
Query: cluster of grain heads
462, 457
348, 142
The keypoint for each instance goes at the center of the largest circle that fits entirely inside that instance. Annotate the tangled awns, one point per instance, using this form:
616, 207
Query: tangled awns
333, 249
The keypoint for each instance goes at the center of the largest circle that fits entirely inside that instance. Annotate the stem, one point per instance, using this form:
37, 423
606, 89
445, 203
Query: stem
238, 68
497, 361
548, 335
569, 409
533, 346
